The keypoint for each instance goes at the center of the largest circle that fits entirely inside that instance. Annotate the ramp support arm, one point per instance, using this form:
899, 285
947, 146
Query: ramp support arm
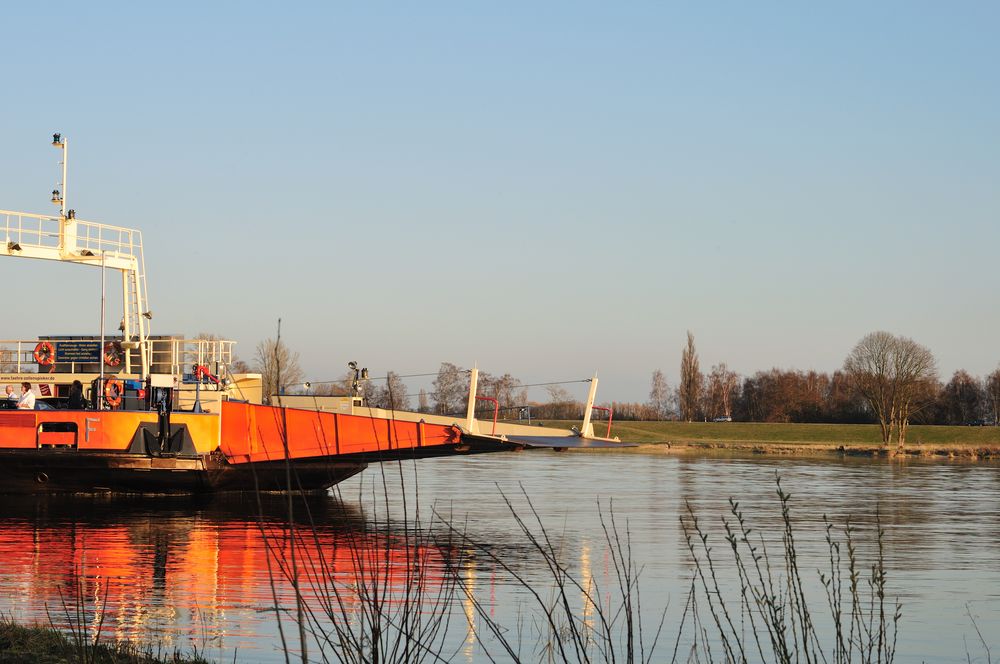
587, 430
496, 411
470, 418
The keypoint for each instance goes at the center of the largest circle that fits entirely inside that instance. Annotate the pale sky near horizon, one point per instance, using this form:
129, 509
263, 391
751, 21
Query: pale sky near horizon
543, 188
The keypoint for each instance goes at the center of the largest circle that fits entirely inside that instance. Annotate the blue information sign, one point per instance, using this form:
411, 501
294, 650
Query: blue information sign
85, 352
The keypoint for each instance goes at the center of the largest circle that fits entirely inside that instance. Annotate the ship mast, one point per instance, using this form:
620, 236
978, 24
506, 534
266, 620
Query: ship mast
60, 198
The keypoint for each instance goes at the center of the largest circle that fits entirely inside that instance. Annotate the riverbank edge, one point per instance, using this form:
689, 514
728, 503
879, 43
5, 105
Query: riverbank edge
40, 643
789, 448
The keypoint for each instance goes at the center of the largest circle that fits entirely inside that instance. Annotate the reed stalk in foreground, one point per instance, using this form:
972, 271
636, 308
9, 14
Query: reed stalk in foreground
379, 594
78, 619
775, 618
395, 600
83, 617
567, 629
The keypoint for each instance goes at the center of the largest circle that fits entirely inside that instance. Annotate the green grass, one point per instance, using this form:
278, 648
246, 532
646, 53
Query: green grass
23, 645
817, 434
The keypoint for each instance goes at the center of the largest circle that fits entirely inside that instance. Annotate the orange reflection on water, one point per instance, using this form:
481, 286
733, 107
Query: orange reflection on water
182, 573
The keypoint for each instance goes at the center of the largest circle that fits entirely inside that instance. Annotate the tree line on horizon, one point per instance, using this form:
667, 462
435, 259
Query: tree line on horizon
886, 379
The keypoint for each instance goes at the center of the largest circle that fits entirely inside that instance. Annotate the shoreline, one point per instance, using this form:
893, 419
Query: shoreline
822, 440
810, 448
27, 642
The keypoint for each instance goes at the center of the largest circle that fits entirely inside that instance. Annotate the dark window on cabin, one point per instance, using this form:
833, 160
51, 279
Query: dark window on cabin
58, 427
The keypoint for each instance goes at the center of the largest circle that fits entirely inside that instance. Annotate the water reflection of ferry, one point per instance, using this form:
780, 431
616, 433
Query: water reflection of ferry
157, 568
170, 415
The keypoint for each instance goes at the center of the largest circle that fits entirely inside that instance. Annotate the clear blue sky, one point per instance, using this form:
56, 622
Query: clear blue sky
546, 189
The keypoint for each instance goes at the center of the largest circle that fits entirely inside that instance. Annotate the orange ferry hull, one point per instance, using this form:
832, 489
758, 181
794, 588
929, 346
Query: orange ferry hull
246, 447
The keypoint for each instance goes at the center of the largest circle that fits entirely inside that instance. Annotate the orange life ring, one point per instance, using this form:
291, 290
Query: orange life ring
45, 353
113, 353
113, 392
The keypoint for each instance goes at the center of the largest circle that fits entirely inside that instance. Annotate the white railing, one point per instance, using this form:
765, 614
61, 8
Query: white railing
174, 356
183, 354
16, 355
27, 230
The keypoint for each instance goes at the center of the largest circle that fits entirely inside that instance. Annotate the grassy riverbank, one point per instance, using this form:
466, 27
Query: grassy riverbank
762, 437
20, 644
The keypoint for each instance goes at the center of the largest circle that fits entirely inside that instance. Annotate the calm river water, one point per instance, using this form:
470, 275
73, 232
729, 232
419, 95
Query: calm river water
185, 573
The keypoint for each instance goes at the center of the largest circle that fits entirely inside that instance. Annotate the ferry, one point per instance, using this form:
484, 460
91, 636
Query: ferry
167, 414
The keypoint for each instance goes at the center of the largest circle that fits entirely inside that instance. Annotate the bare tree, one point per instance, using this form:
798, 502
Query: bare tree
324, 390
502, 388
962, 398
423, 401
274, 357
722, 384
333, 388
451, 389
869, 367
561, 404
892, 374
392, 394
689, 391
239, 366
558, 394
915, 372
522, 396
659, 395
992, 390
373, 396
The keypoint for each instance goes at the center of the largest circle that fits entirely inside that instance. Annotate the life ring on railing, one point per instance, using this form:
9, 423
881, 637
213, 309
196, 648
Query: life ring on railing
113, 353
113, 392
45, 353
